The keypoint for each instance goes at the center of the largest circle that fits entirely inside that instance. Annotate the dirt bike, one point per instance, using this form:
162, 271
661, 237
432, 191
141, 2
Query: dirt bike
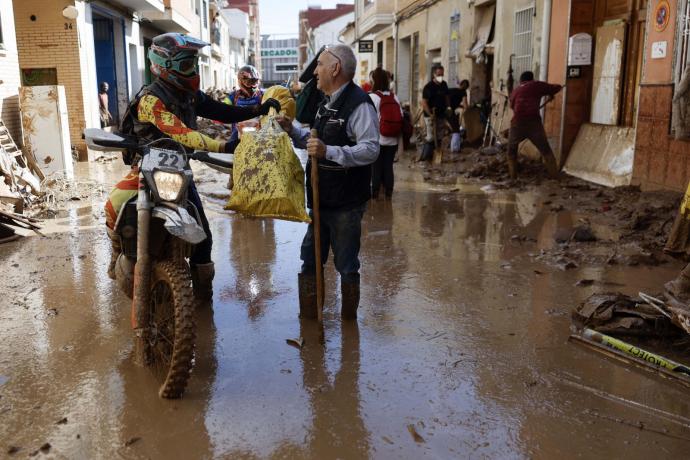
157, 231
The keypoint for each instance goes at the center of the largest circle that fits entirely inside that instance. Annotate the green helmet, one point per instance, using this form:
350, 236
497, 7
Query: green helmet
174, 58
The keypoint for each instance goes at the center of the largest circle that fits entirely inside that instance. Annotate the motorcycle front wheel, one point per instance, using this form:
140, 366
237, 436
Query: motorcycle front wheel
171, 327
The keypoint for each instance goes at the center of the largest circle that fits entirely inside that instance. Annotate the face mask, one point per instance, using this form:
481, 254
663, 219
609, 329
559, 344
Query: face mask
439, 78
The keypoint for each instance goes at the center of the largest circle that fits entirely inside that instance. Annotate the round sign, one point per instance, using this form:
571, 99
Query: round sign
662, 15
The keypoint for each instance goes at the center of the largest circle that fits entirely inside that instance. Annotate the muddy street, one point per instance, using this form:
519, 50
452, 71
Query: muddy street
460, 350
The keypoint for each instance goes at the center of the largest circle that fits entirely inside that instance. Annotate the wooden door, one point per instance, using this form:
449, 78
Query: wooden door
634, 57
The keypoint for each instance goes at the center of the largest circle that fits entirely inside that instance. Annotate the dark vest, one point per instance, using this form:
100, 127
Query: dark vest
180, 104
340, 188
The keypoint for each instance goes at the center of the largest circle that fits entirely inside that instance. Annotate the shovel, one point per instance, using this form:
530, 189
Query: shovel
317, 232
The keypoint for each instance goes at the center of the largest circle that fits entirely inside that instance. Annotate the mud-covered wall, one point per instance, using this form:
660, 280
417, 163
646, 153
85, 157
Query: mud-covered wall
660, 160
46, 39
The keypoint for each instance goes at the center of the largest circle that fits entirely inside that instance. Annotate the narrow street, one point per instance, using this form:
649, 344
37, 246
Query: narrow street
460, 350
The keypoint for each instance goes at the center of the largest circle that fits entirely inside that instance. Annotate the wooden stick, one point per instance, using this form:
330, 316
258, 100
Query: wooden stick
317, 231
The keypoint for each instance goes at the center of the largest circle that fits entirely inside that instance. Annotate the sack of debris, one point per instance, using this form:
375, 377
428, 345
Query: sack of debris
268, 177
282, 95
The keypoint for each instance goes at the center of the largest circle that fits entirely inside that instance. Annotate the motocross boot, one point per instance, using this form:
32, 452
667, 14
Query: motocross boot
115, 250
202, 281
307, 296
349, 291
679, 288
551, 165
512, 166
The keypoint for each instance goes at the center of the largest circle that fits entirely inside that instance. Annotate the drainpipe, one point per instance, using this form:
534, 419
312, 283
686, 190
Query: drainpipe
545, 39
395, 52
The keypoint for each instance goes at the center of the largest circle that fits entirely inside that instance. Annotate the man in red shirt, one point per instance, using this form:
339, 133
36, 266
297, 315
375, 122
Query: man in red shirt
526, 122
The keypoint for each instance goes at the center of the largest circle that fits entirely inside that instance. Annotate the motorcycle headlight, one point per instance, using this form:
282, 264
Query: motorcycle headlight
169, 185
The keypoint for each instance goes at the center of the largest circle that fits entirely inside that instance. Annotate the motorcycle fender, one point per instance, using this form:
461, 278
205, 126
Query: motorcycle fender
179, 223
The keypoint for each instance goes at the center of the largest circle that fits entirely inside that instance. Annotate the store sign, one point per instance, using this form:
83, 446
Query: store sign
366, 46
269, 53
285, 68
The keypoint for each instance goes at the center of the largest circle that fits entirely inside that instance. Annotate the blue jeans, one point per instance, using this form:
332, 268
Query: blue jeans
202, 251
341, 231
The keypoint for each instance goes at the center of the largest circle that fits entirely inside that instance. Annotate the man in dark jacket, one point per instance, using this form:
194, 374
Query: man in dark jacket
526, 122
347, 145
169, 108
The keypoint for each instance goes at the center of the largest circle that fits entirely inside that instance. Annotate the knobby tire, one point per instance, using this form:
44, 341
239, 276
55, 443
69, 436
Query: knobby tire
177, 278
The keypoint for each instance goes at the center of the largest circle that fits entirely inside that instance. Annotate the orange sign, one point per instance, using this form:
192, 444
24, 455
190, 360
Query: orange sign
662, 15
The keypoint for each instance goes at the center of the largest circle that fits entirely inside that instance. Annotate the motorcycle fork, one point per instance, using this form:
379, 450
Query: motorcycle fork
142, 276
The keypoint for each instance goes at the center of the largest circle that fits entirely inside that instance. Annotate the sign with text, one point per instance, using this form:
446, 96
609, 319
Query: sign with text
366, 46
270, 53
284, 68
580, 49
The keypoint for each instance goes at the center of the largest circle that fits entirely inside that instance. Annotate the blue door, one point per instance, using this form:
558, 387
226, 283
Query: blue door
104, 45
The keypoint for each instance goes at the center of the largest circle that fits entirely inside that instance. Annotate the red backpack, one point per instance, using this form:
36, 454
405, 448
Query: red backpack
390, 116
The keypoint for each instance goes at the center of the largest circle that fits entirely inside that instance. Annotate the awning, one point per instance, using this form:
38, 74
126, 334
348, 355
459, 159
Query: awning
484, 25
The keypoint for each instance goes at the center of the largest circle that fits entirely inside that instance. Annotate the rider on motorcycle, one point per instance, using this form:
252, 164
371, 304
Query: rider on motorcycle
168, 108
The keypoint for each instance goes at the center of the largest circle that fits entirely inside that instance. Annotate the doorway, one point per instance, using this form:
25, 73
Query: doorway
104, 46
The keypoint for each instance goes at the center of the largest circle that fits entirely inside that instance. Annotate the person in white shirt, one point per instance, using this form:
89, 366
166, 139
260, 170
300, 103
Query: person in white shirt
382, 169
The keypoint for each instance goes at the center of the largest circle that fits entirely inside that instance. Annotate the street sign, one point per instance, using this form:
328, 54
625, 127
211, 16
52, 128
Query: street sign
366, 46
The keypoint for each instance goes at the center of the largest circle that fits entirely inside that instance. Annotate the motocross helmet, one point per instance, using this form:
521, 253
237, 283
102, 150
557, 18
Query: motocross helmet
174, 59
248, 78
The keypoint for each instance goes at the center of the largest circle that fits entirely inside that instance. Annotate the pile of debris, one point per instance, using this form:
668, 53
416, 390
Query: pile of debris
20, 187
21, 177
619, 326
214, 129
217, 94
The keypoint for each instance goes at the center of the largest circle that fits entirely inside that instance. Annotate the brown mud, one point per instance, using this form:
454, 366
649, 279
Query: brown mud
460, 349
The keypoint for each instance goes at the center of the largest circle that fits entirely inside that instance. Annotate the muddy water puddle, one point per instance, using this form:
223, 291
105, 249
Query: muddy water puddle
460, 350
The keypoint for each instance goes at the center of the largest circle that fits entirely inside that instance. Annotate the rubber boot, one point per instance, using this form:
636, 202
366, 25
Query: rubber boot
512, 166
551, 166
349, 291
679, 288
115, 250
307, 296
202, 280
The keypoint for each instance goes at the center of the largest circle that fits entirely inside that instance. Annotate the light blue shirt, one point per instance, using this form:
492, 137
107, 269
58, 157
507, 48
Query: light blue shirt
362, 128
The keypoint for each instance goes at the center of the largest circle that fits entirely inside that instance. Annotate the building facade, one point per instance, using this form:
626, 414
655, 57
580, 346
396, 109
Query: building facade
9, 72
238, 36
311, 19
279, 59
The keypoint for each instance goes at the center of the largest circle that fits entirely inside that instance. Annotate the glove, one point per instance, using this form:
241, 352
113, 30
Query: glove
230, 146
268, 105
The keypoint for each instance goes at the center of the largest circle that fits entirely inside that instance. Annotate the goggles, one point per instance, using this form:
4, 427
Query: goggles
251, 81
186, 65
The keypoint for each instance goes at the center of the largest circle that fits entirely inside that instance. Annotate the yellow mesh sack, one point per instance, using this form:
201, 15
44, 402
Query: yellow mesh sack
288, 106
268, 177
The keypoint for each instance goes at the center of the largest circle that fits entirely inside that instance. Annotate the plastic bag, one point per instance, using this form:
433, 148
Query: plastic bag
455, 142
268, 177
287, 102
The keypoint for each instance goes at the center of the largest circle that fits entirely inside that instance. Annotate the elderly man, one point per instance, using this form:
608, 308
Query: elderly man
347, 145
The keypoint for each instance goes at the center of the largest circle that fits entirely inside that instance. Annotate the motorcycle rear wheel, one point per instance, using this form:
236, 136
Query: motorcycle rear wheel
171, 327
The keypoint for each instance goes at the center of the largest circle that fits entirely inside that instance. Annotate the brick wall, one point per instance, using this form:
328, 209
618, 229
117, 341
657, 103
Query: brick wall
660, 160
9, 74
49, 42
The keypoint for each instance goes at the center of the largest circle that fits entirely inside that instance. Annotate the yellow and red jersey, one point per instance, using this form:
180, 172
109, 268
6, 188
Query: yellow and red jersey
152, 110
